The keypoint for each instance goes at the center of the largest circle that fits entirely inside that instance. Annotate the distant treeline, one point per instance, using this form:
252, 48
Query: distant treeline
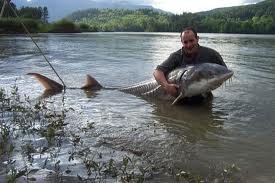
139, 20
258, 18
35, 19
37, 13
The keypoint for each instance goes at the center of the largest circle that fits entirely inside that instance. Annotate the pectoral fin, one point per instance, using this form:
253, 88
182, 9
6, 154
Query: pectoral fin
47, 83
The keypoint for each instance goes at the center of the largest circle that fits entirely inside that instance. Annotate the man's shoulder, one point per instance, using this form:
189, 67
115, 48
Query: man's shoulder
208, 50
177, 53
212, 55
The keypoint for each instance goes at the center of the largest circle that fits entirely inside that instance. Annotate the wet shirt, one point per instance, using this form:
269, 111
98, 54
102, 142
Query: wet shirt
181, 59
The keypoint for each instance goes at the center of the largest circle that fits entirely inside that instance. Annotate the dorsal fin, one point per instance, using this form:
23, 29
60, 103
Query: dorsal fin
91, 84
47, 83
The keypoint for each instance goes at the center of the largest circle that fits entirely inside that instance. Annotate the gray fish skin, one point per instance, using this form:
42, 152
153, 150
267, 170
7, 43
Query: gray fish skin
203, 78
192, 80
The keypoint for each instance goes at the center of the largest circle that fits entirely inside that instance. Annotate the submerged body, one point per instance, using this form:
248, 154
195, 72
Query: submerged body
192, 80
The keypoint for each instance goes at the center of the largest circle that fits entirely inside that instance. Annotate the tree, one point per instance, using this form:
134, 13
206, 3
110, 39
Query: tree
45, 14
30, 12
5, 8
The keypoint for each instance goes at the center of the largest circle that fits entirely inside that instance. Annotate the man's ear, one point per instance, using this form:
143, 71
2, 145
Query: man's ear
198, 38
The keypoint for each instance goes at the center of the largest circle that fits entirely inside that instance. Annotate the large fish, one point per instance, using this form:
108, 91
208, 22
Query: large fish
192, 80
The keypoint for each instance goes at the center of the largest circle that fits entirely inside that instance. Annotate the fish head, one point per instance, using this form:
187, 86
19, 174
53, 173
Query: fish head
201, 78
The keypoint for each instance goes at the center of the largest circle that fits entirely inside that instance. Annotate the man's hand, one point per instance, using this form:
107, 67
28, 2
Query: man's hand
171, 89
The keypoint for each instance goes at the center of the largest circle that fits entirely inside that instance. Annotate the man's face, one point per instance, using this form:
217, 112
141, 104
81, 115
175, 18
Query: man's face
190, 42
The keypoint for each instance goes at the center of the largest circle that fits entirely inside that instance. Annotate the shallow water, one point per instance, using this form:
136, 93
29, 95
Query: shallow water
237, 126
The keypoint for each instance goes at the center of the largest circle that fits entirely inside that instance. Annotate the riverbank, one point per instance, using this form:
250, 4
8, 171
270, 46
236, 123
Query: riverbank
14, 26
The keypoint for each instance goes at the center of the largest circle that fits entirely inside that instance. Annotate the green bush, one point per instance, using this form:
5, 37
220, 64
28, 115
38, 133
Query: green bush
88, 28
13, 25
84, 27
64, 26
44, 27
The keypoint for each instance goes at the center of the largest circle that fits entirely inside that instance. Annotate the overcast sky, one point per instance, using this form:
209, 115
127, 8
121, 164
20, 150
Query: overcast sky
179, 6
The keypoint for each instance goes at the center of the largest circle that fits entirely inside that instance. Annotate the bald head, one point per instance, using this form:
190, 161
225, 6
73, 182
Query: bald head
190, 41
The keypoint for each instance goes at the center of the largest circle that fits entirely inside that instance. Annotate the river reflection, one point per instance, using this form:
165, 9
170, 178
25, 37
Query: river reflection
193, 119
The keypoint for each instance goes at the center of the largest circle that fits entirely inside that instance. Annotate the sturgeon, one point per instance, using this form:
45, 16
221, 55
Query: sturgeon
192, 80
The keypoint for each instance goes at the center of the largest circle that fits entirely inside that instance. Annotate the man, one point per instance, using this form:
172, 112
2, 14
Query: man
190, 53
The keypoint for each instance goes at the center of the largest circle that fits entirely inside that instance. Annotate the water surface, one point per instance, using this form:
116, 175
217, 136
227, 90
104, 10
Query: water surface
237, 126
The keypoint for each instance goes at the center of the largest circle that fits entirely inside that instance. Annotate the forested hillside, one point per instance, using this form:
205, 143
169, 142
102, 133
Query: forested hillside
123, 20
34, 18
257, 18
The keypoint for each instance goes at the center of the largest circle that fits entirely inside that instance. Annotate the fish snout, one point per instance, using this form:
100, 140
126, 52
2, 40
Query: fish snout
223, 78
227, 75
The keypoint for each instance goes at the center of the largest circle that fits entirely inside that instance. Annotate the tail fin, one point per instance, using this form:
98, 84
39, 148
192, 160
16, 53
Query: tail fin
47, 83
91, 84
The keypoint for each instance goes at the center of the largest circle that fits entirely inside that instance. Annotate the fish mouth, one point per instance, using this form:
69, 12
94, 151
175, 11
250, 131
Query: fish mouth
214, 84
220, 80
227, 76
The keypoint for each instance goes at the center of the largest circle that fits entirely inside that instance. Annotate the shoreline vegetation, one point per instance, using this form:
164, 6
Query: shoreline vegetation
39, 142
249, 19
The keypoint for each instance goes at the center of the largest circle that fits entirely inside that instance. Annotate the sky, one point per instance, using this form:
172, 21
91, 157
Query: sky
180, 6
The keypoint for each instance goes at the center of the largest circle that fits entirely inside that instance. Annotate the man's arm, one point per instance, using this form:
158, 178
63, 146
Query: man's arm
171, 89
164, 68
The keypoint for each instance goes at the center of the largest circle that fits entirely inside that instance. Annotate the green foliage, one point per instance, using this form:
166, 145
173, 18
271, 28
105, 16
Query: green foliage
34, 18
258, 18
30, 12
64, 26
37, 13
87, 28
22, 117
13, 25
7, 11
123, 20
45, 15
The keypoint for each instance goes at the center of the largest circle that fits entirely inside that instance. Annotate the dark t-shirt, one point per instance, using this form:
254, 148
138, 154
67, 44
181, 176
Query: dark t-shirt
181, 59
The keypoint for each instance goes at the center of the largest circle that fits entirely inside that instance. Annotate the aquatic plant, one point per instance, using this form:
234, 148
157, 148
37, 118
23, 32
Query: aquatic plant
39, 131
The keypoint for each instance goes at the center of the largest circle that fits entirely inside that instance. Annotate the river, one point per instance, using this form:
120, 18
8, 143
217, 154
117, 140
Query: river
236, 127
